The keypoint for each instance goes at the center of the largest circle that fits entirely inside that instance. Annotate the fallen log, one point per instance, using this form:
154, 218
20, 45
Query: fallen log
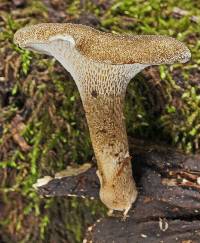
169, 189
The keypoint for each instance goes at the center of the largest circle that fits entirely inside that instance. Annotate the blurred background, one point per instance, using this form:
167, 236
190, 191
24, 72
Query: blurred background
42, 123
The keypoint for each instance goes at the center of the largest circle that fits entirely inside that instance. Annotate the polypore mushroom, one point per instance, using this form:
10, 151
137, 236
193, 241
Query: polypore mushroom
102, 64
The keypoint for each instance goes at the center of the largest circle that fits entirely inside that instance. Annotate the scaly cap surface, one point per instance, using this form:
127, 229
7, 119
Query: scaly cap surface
106, 47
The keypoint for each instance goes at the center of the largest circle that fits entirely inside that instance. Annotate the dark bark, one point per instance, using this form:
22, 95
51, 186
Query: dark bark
169, 190
109, 230
82, 185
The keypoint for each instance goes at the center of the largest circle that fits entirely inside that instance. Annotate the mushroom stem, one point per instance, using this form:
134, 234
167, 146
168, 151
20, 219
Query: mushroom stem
108, 134
102, 90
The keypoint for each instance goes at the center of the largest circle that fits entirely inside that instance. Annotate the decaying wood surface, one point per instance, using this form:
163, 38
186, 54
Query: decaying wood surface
152, 231
168, 206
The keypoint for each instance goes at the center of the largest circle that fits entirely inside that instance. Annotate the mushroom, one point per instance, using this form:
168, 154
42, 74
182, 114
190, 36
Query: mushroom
102, 64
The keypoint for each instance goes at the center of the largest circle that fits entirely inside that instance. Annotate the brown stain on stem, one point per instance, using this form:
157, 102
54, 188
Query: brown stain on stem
124, 163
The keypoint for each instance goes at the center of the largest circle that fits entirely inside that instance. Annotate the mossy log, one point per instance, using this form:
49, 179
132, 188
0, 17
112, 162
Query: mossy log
168, 206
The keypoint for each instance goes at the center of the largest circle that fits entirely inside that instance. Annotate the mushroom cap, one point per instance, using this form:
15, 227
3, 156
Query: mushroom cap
107, 47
